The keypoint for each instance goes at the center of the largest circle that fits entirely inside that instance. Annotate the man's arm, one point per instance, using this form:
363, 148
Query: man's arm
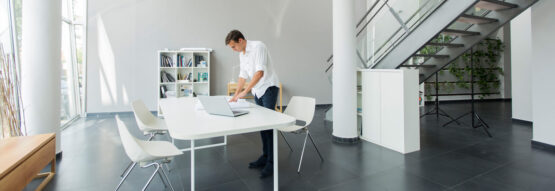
257, 76
240, 84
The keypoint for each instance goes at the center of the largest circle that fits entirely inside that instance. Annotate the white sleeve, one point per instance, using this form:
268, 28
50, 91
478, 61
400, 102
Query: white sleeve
242, 70
243, 73
261, 59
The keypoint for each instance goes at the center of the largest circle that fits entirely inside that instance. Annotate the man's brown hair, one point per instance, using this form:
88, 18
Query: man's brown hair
234, 35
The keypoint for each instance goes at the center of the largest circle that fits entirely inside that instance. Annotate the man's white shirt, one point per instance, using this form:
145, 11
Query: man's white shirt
257, 58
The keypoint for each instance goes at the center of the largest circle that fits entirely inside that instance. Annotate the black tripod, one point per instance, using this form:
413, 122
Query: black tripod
436, 110
472, 112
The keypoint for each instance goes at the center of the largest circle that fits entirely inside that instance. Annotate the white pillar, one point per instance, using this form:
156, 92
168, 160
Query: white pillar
41, 67
543, 66
344, 71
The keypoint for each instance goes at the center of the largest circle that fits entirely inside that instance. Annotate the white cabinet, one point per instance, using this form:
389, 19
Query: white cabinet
390, 111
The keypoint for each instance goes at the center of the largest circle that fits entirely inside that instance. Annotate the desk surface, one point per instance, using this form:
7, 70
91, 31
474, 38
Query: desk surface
185, 123
15, 150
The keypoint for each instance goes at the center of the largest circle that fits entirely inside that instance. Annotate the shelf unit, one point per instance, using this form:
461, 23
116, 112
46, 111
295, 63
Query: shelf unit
198, 82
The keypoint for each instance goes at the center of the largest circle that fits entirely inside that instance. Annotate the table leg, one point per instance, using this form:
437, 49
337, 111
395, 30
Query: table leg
192, 165
48, 175
276, 182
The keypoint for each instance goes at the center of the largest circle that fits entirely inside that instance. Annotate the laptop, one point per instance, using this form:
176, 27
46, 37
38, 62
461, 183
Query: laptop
218, 105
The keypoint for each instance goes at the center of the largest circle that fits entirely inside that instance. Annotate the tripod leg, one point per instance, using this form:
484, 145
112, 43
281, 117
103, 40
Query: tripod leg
455, 119
448, 116
483, 124
431, 112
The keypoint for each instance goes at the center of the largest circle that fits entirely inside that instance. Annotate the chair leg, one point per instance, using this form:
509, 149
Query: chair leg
312, 140
302, 154
153, 174
151, 136
167, 167
126, 169
290, 148
162, 177
167, 179
125, 176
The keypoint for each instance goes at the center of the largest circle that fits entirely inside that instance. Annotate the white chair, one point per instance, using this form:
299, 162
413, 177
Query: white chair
148, 124
146, 154
302, 108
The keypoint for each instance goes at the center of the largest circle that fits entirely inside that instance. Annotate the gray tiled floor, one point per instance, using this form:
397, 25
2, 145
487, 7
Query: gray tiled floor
455, 157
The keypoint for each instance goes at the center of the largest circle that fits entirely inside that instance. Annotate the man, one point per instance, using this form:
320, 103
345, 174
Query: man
256, 65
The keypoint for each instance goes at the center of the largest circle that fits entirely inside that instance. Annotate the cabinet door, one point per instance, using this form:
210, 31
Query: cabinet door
371, 105
392, 119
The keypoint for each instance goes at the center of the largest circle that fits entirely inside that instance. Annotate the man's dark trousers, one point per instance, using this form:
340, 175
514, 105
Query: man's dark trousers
268, 100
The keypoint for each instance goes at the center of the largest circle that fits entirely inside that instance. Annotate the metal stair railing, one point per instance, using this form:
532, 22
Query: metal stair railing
377, 12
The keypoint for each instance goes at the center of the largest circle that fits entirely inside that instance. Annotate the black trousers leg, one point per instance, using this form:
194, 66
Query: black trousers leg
268, 100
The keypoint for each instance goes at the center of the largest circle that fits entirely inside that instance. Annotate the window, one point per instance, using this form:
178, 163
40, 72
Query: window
72, 55
8, 47
73, 45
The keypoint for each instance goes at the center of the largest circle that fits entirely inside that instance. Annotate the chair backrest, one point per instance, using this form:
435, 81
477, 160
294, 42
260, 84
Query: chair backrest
301, 108
142, 115
132, 148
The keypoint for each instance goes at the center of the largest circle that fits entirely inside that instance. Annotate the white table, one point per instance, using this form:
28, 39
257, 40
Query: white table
186, 123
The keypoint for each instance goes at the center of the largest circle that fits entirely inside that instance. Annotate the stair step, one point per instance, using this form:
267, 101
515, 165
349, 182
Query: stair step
432, 55
418, 66
471, 19
451, 45
494, 5
459, 32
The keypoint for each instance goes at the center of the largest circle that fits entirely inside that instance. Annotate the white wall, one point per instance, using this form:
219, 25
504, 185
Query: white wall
521, 65
123, 37
543, 68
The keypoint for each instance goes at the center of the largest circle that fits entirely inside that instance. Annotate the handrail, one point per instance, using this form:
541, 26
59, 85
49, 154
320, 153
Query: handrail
371, 18
359, 57
329, 67
367, 12
399, 29
390, 39
358, 24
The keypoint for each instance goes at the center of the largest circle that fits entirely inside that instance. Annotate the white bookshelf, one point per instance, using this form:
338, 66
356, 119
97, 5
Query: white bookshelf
198, 81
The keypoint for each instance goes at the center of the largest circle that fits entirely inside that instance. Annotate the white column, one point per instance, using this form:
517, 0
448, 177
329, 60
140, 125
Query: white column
41, 67
543, 66
344, 71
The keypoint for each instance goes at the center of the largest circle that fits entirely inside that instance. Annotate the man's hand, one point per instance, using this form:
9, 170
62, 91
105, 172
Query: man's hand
237, 96
242, 94
234, 99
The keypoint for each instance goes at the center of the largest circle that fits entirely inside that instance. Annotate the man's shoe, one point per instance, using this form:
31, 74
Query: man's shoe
260, 163
267, 171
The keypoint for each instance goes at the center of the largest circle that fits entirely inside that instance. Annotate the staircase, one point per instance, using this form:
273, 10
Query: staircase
466, 22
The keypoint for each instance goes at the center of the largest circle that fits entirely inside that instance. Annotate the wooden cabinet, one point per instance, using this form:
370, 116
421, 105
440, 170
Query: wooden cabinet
23, 158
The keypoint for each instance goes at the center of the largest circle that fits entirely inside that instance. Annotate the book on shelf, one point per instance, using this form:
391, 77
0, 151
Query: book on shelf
166, 61
205, 76
166, 77
198, 59
183, 61
189, 76
163, 91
